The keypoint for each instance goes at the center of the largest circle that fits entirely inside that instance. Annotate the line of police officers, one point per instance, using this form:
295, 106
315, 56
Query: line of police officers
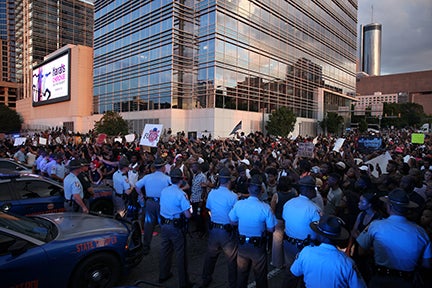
239, 228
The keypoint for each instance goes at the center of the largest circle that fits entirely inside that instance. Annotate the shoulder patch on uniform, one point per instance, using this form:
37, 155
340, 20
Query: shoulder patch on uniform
77, 184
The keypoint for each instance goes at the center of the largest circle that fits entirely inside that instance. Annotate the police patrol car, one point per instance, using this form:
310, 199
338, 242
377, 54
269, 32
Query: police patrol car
29, 194
66, 250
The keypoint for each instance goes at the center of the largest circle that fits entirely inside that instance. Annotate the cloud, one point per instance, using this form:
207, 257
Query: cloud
406, 33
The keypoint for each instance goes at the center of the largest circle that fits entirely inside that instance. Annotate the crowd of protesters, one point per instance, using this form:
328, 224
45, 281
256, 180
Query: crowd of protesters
345, 184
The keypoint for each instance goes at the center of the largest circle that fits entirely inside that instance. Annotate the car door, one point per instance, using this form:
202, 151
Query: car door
24, 263
36, 195
7, 198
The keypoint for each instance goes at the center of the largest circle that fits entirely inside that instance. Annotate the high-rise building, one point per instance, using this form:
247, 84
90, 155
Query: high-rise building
203, 65
370, 49
43, 26
8, 85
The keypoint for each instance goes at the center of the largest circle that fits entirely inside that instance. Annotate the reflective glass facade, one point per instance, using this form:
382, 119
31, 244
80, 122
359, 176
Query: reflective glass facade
43, 26
232, 54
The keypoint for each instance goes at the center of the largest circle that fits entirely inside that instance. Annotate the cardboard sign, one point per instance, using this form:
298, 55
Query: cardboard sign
417, 138
151, 134
305, 149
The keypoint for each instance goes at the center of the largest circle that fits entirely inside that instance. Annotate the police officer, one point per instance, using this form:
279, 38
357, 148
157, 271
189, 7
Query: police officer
151, 186
122, 188
222, 236
254, 219
297, 213
73, 189
174, 209
313, 262
84, 178
57, 170
399, 245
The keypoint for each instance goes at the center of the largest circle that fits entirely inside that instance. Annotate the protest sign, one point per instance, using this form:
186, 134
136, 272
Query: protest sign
417, 138
338, 144
369, 144
381, 161
42, 141
305, 149
130, 138
151, 134
19, 141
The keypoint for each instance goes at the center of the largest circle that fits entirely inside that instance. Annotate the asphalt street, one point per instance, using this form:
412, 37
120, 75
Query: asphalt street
148, 270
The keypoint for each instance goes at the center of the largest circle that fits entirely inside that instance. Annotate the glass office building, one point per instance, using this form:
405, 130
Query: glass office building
236, 55
43, 26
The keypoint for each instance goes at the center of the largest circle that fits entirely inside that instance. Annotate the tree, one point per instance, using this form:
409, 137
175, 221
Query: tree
332, 122
112, 123
281, 122
362, 125
10, 120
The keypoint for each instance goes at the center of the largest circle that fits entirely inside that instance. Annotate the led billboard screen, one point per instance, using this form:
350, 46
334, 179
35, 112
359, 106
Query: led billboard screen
51, 80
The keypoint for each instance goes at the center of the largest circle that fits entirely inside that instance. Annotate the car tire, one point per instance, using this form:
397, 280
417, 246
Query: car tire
100, 270
102, 206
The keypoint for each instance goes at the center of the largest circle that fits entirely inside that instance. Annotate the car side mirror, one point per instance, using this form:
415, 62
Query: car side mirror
18, 248
5, 207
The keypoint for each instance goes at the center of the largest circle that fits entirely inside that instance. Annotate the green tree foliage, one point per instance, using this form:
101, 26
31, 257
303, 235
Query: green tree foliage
111, 123
281, 122
332, 122
362, 125
402, 115
412, 113
10, 120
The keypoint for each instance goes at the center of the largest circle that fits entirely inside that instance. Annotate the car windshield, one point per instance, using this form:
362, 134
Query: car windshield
37, 228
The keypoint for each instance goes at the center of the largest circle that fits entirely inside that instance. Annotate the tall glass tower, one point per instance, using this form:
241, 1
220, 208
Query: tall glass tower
43, 26
371, 49
241, 55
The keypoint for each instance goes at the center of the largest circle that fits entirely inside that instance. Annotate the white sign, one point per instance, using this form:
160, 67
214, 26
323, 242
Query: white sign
381, 161
42, 141
20, 141
130, 138
338, 144
118, 139
151, 134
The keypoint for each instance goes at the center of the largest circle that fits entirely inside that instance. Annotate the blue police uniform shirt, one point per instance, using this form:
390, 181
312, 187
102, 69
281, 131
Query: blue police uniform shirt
398, 243
254, 217
154, 183
58, 169
298, 213
38, 161
220, 201
72, 185
42, 163
326, 266
48, 166
173, 202
120, 182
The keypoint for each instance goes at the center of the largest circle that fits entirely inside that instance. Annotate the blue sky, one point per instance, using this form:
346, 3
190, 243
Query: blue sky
406, 33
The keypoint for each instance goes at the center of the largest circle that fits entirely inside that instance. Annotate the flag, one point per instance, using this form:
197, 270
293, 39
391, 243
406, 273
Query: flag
236, 128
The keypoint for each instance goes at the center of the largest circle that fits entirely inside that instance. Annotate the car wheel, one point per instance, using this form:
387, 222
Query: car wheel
103, 207
97, 271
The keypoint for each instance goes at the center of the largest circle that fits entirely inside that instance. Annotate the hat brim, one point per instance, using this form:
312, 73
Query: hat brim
74, 167
343, 235
159, 165
410, 204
